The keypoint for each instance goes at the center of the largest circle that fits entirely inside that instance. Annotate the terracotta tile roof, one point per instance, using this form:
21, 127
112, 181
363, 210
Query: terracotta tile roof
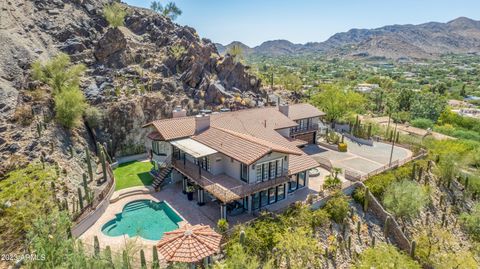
297, 142
174, 128
189, 244
242, 147
299, 163
302, 111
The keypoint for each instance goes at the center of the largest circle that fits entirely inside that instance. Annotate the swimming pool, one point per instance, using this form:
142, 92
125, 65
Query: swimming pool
144, 218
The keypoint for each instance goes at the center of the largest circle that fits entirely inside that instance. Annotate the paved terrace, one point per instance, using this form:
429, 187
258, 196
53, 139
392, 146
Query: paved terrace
361, 159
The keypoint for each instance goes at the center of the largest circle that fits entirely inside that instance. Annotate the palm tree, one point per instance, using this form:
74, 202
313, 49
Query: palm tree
170, 10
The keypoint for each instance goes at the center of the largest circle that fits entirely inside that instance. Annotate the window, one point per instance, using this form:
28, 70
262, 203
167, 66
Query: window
264, 171
244, 172
272, 196
301, 179
272, 170
256, 201
263, 198
293, 184
259, 172
205, 163
280, 192
278, 165
159, 148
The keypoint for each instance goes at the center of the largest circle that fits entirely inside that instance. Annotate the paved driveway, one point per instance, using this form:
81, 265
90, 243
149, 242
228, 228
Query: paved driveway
362, 159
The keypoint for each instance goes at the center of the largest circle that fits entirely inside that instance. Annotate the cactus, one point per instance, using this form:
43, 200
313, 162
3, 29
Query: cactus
155, 263
397, 138
429, 166
106, 152
373, 241
74, 205
126, 262
242, 237
326, 252
412, 249
352, 212
85, 184
369, 131
108, 255
359, 227
349, 243
466, 183
414, 172
89, 163
71, 151
385, 226
427, 219
440, 203
80, 198
104, 166
96, 247
42, 160
444, 219
365, 200
420, 173
39, 129
143, 262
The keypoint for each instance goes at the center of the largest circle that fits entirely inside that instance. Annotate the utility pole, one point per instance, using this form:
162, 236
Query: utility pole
393, 144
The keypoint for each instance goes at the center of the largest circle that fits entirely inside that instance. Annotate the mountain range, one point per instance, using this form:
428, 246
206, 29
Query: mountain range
422, 41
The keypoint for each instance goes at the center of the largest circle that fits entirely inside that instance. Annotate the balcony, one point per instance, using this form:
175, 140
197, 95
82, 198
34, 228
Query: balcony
224, 187
303, 129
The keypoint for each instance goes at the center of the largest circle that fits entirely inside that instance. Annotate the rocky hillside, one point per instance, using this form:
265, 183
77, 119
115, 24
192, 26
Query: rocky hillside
135, 74
424, 41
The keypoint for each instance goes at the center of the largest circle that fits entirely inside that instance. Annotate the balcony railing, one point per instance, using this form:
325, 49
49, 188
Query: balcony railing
224, 187
304, 129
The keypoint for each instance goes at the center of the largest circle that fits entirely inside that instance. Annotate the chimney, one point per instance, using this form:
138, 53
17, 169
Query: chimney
283, 108
202, 123
178, 112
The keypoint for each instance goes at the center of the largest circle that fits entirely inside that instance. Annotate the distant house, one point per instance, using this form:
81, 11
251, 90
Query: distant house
468, 112
244, 159
366, 87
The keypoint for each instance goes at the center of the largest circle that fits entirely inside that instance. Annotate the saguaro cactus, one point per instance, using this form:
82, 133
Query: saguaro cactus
365, 200
143, 262
104, 166
414, 170
242, 238
96, 247
80, 198
89, 163
412, 248
108, 255
155, 263
85, 183
385, 226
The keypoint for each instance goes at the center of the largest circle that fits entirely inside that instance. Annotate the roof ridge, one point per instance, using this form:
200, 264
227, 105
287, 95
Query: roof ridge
255, 140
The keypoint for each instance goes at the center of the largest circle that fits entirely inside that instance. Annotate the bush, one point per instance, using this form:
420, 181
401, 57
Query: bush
23, 115
332, 183
69, 107
342, 147
114, 14
337, 207
222, 226
471, 222
422, 123
405, 199
93, 116
385, 256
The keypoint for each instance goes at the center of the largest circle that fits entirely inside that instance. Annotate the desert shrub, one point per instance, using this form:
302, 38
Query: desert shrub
58, 72
332, 183
422, 123
93, 116
23, 115
222, 226
238, 257
177, 51
385, 255
471, 222
69, 107
114, 14
337, 207
342, 147
405, 199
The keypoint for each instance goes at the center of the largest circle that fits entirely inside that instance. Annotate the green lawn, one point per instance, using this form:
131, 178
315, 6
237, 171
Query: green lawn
132, 174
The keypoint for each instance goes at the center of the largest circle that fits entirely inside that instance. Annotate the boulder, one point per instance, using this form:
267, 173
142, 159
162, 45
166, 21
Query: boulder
111, 47
215, 92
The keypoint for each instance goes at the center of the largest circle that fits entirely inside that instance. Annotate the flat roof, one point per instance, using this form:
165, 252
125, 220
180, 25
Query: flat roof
193, 148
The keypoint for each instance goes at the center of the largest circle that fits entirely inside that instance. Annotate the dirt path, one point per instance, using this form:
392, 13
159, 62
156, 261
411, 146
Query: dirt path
409, 129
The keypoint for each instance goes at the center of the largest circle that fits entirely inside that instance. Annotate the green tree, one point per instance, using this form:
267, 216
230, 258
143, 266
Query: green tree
291, 82
170, 10
337, 102
58, 72
299, 249
405, 198
385, 256
428, 106
69, 107
115, 14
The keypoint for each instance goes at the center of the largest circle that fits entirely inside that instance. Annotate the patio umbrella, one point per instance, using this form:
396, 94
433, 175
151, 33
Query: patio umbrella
189, 244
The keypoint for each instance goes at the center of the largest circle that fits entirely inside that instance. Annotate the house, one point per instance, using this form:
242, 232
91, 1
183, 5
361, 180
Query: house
366, 87
244, 159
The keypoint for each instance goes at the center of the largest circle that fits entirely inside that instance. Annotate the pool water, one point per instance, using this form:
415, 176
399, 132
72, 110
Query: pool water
144, 218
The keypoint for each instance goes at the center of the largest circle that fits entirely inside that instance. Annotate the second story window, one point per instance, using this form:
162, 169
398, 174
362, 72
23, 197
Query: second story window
159, 148
269, 170
244, 172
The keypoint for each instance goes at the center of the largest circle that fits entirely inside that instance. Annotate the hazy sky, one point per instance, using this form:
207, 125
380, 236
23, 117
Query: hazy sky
301, 21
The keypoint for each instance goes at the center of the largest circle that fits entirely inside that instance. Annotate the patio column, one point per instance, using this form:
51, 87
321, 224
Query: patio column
200, 196
184, 185
249, 204
223, 211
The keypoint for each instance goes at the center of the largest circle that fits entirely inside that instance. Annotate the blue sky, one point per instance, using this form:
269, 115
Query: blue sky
301, 21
